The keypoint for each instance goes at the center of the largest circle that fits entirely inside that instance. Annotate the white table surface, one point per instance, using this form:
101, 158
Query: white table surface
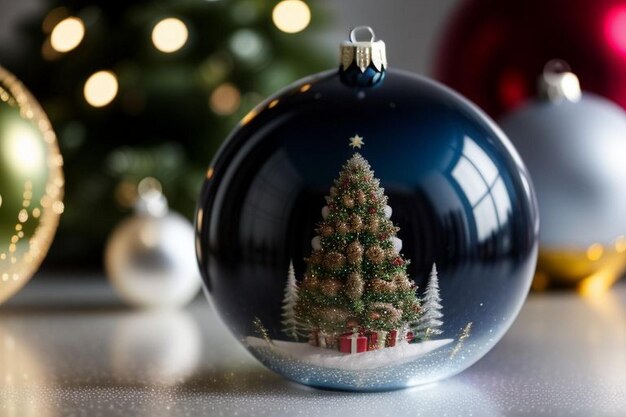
69, 348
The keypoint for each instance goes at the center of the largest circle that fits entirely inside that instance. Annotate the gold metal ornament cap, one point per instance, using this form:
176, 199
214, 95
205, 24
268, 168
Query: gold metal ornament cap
363, 53
558, 82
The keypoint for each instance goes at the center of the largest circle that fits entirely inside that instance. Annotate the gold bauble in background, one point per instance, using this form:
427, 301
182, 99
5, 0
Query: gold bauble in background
31, 185
591, 271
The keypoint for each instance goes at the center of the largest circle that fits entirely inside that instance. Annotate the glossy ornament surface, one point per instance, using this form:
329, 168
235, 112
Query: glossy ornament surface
31, 185
149, 255
575, 150
491, 50
304, 281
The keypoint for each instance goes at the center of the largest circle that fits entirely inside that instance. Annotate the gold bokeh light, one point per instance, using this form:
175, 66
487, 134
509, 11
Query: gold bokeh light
291, 16
101, 88
67, 34
225, 99
169, 35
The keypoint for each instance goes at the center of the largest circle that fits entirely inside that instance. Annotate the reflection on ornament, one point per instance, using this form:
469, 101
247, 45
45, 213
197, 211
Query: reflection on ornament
291, 16
100, 88
225, 99
169, 35
67, 34
149, 257
155, 347
22, 378
31, 185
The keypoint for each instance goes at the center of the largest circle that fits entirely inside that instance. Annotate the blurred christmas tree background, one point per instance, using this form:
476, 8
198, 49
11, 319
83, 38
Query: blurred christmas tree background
152, 88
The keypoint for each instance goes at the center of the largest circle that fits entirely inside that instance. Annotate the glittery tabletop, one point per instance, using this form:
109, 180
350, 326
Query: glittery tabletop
69, 348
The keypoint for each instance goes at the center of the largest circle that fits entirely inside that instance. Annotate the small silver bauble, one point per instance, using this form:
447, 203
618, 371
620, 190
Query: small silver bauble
150, 257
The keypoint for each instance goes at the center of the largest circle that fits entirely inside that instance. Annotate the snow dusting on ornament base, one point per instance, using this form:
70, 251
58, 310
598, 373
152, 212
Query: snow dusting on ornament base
327, 358
402, 366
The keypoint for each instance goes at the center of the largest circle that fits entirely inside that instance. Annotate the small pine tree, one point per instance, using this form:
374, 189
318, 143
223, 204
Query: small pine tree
355, 275
291, 325
429, 323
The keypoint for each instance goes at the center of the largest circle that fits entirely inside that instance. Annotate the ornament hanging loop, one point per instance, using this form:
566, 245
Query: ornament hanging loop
363, 62
558, 82
357, 29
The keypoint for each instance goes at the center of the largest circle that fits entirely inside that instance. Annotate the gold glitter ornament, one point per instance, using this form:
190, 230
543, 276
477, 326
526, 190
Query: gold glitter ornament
31, 185
375, 254
354, 286
381, 286
355, 252
342, 228
348, 201
402, 282
334, 260
310, 283
356, 223
326, 230
391, 253
316, 258
330, 287
360, 197
373, 225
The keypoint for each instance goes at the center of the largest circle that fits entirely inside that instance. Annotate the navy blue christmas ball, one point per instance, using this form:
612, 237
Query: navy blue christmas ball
367, 229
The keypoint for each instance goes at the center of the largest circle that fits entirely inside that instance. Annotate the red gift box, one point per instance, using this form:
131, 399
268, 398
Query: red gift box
372, 340
352, 343
392, 337
410, 337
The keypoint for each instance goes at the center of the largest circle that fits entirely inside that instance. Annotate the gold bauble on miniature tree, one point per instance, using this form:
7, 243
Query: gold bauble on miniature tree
31, 185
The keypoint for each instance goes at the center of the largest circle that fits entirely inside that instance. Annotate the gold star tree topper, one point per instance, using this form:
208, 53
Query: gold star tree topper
356, 141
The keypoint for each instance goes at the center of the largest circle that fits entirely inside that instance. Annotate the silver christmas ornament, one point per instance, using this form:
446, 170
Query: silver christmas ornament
397, 244
325, 211
150, 257
388, 212
159, 347
575, 149
316, 243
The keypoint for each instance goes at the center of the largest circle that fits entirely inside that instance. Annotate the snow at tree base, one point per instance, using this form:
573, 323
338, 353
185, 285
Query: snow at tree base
355, 303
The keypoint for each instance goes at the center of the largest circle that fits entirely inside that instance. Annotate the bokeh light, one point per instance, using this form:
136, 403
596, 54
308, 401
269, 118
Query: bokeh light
67, 34
291, 16
595, 251
247, 44
225, 99
169, 35
100, 88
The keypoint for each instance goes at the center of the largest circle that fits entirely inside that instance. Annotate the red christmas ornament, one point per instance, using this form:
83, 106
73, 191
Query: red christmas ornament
493, 51
398, 261
372, 210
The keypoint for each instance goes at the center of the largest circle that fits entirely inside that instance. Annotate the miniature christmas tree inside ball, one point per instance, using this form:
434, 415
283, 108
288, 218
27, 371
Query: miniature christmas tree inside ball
367, 229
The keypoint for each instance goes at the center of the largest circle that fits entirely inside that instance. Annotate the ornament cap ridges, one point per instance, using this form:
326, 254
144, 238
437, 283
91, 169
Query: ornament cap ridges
558, 82
363, 53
